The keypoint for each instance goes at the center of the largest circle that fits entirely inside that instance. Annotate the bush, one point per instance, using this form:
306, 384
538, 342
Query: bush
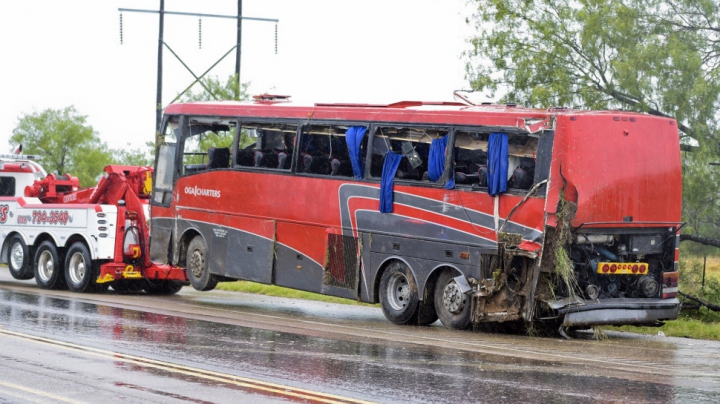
691, 283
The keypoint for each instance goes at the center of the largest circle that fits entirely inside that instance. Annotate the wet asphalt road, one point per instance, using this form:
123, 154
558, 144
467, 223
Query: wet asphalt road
217, 347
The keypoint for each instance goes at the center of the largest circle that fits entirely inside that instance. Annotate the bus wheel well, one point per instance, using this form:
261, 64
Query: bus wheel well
434, 275
379, 275
183, 246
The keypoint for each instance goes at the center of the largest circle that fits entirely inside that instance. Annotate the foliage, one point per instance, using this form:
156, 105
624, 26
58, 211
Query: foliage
65, 142
691, 274
661, 57
272, 290
135, 157
682, 327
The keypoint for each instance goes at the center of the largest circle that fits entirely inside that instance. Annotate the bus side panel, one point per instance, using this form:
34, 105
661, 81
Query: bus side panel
300, 256
251, 252
161, 234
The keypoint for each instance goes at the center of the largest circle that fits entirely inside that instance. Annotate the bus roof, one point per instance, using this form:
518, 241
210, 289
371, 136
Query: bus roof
426, 112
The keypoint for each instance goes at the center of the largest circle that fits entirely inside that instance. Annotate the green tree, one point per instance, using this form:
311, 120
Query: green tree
135, 157
65, 142
660, 57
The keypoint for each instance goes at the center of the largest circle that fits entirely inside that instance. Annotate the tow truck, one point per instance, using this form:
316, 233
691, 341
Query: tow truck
83, 239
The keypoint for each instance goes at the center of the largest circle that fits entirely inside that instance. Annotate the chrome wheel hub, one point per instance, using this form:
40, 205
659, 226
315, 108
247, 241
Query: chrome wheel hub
46, 266
17, 256
398, 292
453, 298
197, 263
77, 268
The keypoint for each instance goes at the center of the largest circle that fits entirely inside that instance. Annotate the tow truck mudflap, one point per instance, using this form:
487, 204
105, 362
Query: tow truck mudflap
581, 313
115, 271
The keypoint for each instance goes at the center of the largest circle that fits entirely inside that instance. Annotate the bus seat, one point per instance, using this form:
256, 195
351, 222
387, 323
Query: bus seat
482, 174
341, 167
246, 157
283, 161
523, 177
218, 157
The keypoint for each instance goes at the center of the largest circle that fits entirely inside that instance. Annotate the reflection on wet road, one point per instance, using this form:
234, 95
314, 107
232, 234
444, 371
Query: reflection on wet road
198, 346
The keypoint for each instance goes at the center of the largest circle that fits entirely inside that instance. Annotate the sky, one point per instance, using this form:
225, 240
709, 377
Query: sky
58, 53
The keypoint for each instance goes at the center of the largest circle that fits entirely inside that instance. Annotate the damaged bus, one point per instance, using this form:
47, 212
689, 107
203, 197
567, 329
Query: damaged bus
469, 214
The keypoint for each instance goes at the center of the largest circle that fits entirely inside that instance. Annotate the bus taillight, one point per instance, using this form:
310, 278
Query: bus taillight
669, 285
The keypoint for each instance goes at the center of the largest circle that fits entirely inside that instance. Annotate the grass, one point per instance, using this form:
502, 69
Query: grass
698, 324
682, 327
272, 290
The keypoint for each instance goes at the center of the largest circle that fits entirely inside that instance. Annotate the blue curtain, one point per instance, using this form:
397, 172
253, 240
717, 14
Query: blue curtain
497, 163
353, 137
436, 161
392, 161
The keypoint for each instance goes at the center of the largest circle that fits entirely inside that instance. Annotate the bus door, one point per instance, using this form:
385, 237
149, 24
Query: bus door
162, 216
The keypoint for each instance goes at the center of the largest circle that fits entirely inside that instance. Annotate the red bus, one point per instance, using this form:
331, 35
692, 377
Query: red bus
467, 213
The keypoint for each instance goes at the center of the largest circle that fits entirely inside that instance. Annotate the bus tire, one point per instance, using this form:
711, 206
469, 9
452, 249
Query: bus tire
79, 271
426, 313
197, 269
18, 259
452, 306
399, 294
162, 287
47, 267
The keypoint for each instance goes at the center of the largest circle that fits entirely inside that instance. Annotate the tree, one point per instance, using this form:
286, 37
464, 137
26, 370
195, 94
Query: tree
660, 57
135, 157
65, 142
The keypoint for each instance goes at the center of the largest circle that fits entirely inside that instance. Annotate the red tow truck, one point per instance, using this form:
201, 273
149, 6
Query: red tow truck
83, 239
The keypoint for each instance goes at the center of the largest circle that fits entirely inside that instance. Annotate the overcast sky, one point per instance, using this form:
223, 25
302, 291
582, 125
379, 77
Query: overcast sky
57, 53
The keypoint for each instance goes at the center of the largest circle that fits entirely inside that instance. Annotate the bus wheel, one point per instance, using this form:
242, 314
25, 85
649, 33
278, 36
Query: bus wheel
197, 269
161, 287
19, 259
399, 294
79, 272
452, 306
48, 268
426, 313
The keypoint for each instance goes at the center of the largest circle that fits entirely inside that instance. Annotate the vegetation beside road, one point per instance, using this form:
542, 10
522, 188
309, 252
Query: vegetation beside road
272, 290
699, 323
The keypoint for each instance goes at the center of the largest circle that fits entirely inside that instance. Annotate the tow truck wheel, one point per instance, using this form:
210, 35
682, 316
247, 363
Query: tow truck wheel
19, 259
48, 267
399, 294
452, 306
79, 272
197, 269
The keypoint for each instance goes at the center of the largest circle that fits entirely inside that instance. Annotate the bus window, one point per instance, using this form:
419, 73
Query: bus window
266, 145
207, 144
7, 186
412, 143
470, 159
323, 150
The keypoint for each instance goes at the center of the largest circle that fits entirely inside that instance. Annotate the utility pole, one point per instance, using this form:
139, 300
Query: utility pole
158, 105
161, 44
239, 42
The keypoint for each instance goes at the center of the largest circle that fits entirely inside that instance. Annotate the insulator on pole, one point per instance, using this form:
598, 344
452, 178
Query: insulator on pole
121, 32
276, 38
199, 33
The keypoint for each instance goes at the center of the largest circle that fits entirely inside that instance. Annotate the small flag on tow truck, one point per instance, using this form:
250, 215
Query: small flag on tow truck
18, 150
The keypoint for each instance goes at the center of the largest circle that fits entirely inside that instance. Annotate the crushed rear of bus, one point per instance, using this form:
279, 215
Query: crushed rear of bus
613, 209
